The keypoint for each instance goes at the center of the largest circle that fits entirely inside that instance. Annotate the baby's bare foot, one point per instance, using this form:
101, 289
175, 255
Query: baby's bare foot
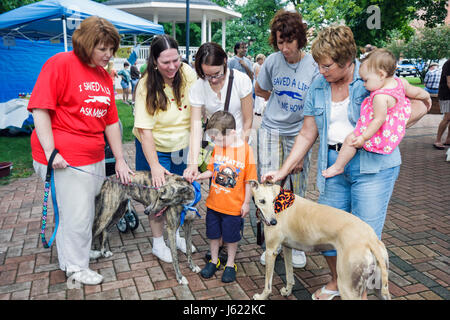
332, 171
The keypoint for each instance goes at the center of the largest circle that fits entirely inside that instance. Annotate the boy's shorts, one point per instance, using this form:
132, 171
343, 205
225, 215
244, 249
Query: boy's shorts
223, 225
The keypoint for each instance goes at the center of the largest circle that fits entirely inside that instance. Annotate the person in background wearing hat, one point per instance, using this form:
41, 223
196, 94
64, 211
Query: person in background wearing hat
432, 78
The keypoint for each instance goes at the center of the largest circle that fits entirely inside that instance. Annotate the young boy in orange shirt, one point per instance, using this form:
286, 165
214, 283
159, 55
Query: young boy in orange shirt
231, 166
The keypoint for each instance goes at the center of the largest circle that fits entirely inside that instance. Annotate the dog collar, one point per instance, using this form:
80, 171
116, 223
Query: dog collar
190, 207
284, 200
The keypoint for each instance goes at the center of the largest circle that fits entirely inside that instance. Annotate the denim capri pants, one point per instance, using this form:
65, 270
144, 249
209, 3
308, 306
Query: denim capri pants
365, 195
174, 162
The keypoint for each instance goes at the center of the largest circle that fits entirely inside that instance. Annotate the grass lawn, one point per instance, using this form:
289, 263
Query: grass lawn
18, 151
415, 81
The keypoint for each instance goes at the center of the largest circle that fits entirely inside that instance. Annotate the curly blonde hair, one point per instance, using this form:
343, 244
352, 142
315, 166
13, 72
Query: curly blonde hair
335, 42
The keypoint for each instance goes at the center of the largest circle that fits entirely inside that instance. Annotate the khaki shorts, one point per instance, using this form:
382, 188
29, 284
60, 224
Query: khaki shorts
273, 150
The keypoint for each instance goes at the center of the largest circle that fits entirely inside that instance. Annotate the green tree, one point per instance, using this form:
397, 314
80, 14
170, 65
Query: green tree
393, 15
195, 33
433, 12
7, 5
426, 45
253, 26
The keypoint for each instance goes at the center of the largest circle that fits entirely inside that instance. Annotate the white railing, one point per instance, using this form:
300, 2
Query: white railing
145, 50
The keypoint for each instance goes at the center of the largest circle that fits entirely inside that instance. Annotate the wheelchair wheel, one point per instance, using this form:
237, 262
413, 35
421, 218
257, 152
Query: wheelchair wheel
132, 219
122, 225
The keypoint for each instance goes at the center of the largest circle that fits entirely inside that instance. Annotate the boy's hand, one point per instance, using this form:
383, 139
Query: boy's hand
245, 209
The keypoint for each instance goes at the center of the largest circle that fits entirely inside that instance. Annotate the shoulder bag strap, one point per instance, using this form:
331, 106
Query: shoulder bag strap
283, 182
230, 86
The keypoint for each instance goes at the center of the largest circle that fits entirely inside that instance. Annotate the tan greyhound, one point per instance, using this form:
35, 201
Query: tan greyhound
362, 259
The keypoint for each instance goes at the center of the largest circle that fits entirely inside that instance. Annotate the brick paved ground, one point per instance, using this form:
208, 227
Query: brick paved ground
416, 234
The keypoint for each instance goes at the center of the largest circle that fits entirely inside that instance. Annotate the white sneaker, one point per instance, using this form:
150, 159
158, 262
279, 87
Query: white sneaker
86, 276
448, 155
263, 256
181, 245
298, 258
163, 253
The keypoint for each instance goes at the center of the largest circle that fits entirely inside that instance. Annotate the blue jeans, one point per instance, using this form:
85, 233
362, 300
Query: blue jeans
431, 90
364, 195
174, 162
133, 84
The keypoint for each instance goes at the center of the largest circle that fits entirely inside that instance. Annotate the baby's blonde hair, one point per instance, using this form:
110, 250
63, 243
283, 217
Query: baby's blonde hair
381, 59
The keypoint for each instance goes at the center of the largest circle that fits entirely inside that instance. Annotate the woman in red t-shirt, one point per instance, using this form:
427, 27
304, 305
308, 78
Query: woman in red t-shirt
73, 107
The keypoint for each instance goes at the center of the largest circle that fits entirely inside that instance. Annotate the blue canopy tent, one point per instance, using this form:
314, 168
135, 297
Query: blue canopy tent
31, 34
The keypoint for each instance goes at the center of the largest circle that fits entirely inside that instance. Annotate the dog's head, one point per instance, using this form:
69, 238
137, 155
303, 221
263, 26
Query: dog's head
264, 195
176, 192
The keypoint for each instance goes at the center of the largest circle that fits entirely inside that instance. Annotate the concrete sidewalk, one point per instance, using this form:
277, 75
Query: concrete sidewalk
416, 235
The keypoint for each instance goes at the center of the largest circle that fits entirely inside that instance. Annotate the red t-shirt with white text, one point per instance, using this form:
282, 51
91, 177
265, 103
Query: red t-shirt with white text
80, 100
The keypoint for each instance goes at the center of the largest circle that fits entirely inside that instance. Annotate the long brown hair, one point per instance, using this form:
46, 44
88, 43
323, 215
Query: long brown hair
156, 98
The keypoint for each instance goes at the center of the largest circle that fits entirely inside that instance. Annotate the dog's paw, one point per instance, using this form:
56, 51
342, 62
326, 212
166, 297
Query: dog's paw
183, 281
94, 254
258, 296
285, 291
196, 269
107, 254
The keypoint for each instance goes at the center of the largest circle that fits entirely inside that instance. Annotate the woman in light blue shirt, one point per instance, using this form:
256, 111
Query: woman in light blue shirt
332, 108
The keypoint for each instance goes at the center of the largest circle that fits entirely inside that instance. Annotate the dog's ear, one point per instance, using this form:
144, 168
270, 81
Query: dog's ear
165, 192
254, 184
269, 183
276, 190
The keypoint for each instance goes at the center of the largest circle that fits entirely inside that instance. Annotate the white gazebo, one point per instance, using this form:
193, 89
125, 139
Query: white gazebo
174, 11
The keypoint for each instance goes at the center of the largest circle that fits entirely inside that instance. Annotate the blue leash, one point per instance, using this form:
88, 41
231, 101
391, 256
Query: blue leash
190, 207
49, 184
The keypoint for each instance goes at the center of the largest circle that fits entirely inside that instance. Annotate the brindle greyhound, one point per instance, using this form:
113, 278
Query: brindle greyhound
305, 225
110, 206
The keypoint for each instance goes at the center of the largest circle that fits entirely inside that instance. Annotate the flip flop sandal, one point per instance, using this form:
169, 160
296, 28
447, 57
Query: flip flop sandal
331, 294
438, 146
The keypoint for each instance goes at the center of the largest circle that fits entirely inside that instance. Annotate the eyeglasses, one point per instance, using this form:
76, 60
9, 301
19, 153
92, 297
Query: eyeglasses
326, 68
214, 77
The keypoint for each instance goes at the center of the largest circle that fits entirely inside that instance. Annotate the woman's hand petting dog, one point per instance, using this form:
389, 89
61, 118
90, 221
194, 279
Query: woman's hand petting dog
123, 172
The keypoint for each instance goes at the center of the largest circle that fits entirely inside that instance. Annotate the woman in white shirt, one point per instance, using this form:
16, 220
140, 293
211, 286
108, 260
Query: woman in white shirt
209, 91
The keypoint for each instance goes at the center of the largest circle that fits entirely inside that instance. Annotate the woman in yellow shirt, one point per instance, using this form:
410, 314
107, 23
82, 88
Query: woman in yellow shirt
162, 124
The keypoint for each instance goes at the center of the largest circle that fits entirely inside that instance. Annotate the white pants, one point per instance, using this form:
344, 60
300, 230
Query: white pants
260, 105
75, 194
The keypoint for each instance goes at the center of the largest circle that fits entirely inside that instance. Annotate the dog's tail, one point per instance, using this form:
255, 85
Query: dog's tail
382, 258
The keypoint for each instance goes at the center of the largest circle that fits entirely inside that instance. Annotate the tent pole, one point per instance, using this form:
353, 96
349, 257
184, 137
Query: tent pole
187, 31
65, 32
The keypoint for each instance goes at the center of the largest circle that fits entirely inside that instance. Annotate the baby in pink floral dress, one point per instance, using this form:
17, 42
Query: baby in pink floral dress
384, 113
